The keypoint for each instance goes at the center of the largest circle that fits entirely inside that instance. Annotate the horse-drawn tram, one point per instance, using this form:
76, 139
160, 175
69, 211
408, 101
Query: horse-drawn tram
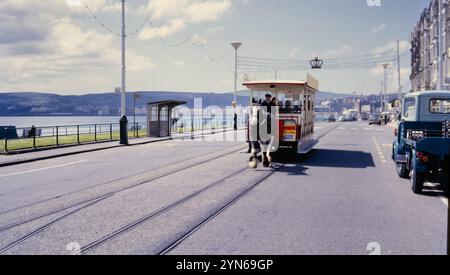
281, 116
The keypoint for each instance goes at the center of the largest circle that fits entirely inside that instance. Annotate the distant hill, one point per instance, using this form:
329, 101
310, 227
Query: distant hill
322, 96
47, 104
24, 104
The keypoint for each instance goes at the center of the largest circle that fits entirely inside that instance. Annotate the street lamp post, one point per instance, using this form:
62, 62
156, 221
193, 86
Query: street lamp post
399, 78
381, 96
385, 66
123, 108
236, 46
440, 46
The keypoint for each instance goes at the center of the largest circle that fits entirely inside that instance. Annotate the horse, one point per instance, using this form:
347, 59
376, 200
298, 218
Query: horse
261, 136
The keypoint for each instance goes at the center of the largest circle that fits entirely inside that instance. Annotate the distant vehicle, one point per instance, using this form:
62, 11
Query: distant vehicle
331, 118
342, 118
421, 148
364, 116
374, 119
351, 117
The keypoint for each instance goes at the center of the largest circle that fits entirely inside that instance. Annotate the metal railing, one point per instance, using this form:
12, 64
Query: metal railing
33, 138
201, 125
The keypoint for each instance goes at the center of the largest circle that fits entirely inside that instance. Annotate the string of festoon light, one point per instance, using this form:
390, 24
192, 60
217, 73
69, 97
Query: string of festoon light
147, 22
248, 64
98, 20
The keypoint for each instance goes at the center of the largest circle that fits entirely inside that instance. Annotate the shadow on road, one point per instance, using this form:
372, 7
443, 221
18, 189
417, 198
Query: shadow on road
340, 159
298, 166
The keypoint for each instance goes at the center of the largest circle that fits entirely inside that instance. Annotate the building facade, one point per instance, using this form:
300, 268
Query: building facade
430, 45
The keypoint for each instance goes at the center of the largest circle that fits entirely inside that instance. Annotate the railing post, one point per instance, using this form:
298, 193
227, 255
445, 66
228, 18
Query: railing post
224, 123
95, 132
192, 128
110, 132
78, 134
6, 145
202, 122
57, 136
34, 141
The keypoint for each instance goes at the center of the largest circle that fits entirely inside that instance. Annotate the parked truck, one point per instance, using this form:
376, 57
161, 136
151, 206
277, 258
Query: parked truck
421, 149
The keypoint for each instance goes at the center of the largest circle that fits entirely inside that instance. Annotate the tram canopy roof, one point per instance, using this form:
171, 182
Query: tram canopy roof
282, 85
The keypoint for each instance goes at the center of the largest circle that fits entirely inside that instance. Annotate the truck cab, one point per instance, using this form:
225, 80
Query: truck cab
421, 148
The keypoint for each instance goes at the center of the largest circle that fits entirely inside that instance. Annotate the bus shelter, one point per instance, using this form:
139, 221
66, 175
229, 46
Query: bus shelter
159, 117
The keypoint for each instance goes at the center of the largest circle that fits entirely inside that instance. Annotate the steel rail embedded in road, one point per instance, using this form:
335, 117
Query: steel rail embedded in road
154, 214
132, 175
173, 244
165, 209
40, 216
160, 211
47, 225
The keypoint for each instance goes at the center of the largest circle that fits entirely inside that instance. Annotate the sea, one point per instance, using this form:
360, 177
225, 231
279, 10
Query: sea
50, 121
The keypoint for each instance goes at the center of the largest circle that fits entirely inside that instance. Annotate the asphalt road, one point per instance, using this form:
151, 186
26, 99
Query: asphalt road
342, 198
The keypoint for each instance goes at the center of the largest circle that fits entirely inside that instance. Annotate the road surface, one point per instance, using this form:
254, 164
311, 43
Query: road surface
194, 197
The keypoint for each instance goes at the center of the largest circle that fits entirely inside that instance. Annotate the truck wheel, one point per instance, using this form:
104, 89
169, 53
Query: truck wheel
402, 171
417, 180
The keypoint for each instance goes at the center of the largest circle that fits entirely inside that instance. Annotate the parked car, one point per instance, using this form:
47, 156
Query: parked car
342, 118
421, 149
374, 119
331, 118
364, 116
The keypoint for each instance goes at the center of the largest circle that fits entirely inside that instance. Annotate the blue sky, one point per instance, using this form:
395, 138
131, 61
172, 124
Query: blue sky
56, 46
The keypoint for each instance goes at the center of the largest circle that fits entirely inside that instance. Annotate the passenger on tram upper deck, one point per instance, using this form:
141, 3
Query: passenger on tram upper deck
274, 101
280, 103
288, 106
268, 103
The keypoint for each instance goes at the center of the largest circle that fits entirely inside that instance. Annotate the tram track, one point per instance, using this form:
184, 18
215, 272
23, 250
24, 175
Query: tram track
121, 178
171, 244
47, 225
78, 203
160, 211
177, 241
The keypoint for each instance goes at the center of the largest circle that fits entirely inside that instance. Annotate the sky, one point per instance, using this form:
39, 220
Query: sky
60, 46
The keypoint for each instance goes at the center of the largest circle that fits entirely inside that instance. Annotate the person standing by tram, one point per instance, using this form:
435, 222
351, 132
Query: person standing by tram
268, 104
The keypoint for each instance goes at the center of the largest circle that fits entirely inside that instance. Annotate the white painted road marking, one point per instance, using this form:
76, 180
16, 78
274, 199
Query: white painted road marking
42, 169
380, 153
443, 199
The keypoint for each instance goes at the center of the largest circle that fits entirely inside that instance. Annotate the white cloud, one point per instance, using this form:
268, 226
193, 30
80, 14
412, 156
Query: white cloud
207, 10
342, 51
177, 14
392, 46
55, 51
294, 52
178, 63
215, 30
380, 28
174, 26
